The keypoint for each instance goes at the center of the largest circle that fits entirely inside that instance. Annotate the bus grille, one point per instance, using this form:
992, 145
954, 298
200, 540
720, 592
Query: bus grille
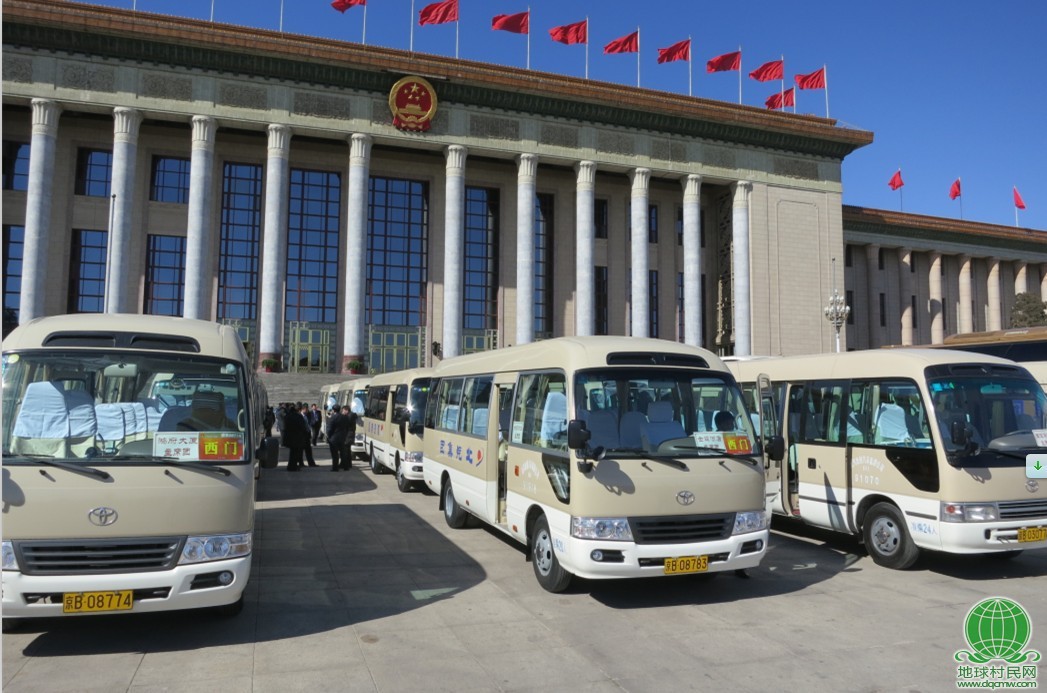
1023, 510
103, 556
681, 529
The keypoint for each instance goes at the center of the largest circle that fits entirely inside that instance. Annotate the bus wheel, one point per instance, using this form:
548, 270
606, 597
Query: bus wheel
401, 481
551, 576
376, 468
886, 539
453, 513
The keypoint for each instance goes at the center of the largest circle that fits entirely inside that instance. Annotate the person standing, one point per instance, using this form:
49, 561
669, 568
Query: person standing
296, 437
306, 416
347, 454
316, 419
337, 435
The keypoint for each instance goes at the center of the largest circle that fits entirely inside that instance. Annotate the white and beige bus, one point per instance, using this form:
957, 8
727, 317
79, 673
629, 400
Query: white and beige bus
608, 457
352, 393
129, 450
392, 423
910, 448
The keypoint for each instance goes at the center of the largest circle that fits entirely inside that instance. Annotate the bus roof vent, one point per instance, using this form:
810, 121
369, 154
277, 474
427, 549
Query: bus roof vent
655, 358
123, 340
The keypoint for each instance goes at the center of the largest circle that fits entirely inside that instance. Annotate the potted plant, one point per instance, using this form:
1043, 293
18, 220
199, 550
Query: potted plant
355, 366
269, 364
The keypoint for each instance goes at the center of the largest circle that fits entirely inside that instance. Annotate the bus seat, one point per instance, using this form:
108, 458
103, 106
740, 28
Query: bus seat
479, 424
170, 418
121, 421
54, 421
603, 425
629, 430
724, 420
661, 425
889, 424
554, 420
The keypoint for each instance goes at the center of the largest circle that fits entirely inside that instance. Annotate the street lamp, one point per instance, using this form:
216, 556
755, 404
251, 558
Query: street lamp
837, 310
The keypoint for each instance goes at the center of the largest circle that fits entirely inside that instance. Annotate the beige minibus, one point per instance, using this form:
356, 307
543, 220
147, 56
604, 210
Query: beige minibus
352, 393
392, 423
909, 448
129, 448
608, 457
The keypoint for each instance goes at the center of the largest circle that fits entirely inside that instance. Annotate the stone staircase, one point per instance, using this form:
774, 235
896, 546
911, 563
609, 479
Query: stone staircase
298, 387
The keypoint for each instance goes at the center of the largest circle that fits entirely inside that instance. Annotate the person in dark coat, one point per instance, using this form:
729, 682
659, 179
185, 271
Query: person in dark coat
353, 418
308, 443
337, 434
297, 435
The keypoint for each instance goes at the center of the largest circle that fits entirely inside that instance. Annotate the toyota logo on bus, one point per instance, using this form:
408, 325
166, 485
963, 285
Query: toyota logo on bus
103, 517
684, 497
1032, 486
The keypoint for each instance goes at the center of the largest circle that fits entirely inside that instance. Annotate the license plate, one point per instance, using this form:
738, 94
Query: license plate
686, 564
95, 602
1032, 534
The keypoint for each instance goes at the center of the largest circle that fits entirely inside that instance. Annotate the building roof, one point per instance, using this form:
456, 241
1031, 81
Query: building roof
908, 227
124, 34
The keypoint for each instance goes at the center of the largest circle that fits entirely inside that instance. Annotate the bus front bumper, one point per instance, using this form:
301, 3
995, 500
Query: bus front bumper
985, 537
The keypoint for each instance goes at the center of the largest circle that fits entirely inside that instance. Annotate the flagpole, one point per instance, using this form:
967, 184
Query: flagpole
411, 49
739, 74
690, 90
528, 37
825, 76
587, 48
637, 57
281, 16
212, 11
457, 24
363, 39
782, 80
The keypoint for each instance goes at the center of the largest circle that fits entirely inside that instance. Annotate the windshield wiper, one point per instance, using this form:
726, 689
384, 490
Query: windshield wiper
175, 462
68, 466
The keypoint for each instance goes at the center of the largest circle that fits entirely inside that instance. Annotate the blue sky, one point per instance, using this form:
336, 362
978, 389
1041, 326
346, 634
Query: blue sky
950, 89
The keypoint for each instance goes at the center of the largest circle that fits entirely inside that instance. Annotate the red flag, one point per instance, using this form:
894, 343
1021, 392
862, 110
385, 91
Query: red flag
677, 51
782, 99
516, 23
571, 33
768, 71
815, 80
439, 13
954, 190
1018, 201
896, 180
625, 44
343, 5
725, 62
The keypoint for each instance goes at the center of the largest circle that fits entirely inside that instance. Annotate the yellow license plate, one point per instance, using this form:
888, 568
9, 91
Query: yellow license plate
1032, 534
95, 602
686, 564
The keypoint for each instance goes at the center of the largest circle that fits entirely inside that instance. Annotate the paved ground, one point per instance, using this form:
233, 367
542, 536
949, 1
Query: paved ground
357, 587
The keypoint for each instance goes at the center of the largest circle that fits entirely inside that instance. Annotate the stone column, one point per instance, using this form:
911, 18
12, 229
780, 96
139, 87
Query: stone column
585, 234
454, 248
905, 261
39, 193
992, 318
526, 169
200, 227
873, 284
740, 268
354, 337
126, 122
274, 245
639, 251
1021, 278
1043, 282
692, 261
934, 290
966, 309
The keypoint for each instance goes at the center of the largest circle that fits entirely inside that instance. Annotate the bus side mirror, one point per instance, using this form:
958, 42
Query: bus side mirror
268, 453
415, 428
776, 448
578, 434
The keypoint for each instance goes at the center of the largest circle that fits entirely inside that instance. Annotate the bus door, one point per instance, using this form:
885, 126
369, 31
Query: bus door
820, 455
498, 438
767, 425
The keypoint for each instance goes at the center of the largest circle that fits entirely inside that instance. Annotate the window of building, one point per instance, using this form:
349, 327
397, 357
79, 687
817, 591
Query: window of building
240, 246
945, 315
170, 180
912, 312
679, 307
848, 256
849, 297
94, 170
652, 224
312, 246
652, 303
14, 243
87, 271
480, 284
16, 165
883, 310
397, 252
543, 265
679, 226
879, 258
601, 299
601, 218
165, 275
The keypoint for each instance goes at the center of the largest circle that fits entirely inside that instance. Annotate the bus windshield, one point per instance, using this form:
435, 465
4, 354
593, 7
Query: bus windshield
90, 406
982, 416
673, 413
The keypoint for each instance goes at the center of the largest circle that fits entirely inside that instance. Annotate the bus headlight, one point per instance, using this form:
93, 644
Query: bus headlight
10, 560
750, 521
606, 528
414, 458
970, 512
215, 548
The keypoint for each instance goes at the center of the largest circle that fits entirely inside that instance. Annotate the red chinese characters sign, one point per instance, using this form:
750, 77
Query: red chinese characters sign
207, 447
412, 101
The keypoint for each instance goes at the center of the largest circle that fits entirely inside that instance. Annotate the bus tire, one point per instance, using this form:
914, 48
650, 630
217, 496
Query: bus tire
402, 482
376, 468
454, 515
886, 538
551, 575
